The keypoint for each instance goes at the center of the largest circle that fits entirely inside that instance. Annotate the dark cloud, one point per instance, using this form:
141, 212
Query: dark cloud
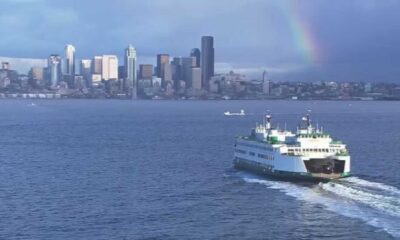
357, 39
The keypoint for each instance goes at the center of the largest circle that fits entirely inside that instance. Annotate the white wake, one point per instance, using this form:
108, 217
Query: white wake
375, 203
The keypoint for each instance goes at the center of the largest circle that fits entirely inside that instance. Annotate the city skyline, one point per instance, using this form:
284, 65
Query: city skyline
312, 41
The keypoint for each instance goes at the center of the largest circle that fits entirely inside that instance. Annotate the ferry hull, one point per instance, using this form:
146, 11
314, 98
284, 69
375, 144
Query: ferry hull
268, 171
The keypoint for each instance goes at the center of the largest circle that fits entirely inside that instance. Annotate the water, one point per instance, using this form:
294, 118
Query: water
104, 169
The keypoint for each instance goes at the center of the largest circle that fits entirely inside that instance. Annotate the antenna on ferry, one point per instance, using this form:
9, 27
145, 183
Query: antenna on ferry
268, 118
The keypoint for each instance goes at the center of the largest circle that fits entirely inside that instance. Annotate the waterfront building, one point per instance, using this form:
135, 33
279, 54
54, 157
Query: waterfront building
228, 84
79, 82
4, 79
36, 76
96, 80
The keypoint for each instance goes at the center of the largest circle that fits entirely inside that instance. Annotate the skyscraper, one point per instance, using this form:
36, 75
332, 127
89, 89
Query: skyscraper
187, 64
176, 69
70, 64
195, 79
196, 54
265, 83
97, 64
54, 68
109, 67
145, 71
167, 74
86, 72
162, 59
207, 59
130, 69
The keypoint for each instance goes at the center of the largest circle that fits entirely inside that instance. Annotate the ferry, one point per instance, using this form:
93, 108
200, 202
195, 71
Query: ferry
309, 154
241, 113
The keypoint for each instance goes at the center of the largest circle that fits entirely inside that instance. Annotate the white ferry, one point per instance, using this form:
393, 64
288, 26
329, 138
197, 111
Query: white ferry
308, 154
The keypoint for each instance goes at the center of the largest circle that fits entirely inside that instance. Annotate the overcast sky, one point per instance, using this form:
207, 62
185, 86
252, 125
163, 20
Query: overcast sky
341, 40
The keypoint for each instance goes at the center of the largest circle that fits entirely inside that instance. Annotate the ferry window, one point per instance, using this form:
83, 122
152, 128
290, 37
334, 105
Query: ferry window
252, 154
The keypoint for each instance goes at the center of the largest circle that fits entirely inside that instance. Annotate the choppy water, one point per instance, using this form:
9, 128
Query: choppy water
106, 169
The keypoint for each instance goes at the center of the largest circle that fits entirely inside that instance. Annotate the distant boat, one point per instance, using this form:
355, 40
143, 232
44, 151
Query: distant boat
32, 104
241, 113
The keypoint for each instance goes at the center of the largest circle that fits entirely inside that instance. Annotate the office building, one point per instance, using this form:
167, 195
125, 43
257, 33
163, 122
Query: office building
86, 72
196, 54
145, 71
36, 76
187, 64
195, 78
207, 59
109, 67
162, 59
54, 69
97, 65
70, 64
265, 84
79, 82
96, 80
167, 74
130, 71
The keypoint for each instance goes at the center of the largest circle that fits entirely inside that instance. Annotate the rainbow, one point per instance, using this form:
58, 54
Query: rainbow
303, 37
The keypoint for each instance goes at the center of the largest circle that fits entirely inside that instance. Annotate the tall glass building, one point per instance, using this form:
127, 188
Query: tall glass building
70, 64
207, 59
130, 71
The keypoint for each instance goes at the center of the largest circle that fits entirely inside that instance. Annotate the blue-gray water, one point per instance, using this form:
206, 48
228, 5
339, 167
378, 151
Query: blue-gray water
103, 169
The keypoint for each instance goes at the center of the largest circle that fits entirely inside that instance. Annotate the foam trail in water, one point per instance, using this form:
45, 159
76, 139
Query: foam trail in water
376, 210
375, 185
391, 205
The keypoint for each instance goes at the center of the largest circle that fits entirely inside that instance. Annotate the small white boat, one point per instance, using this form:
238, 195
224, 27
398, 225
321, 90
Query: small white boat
241, 113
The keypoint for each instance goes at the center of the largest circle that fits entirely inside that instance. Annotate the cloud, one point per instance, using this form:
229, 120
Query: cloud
257, 71
23, 1
248, 34
23, 65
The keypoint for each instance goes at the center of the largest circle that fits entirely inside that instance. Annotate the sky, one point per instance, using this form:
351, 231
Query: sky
313, 40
